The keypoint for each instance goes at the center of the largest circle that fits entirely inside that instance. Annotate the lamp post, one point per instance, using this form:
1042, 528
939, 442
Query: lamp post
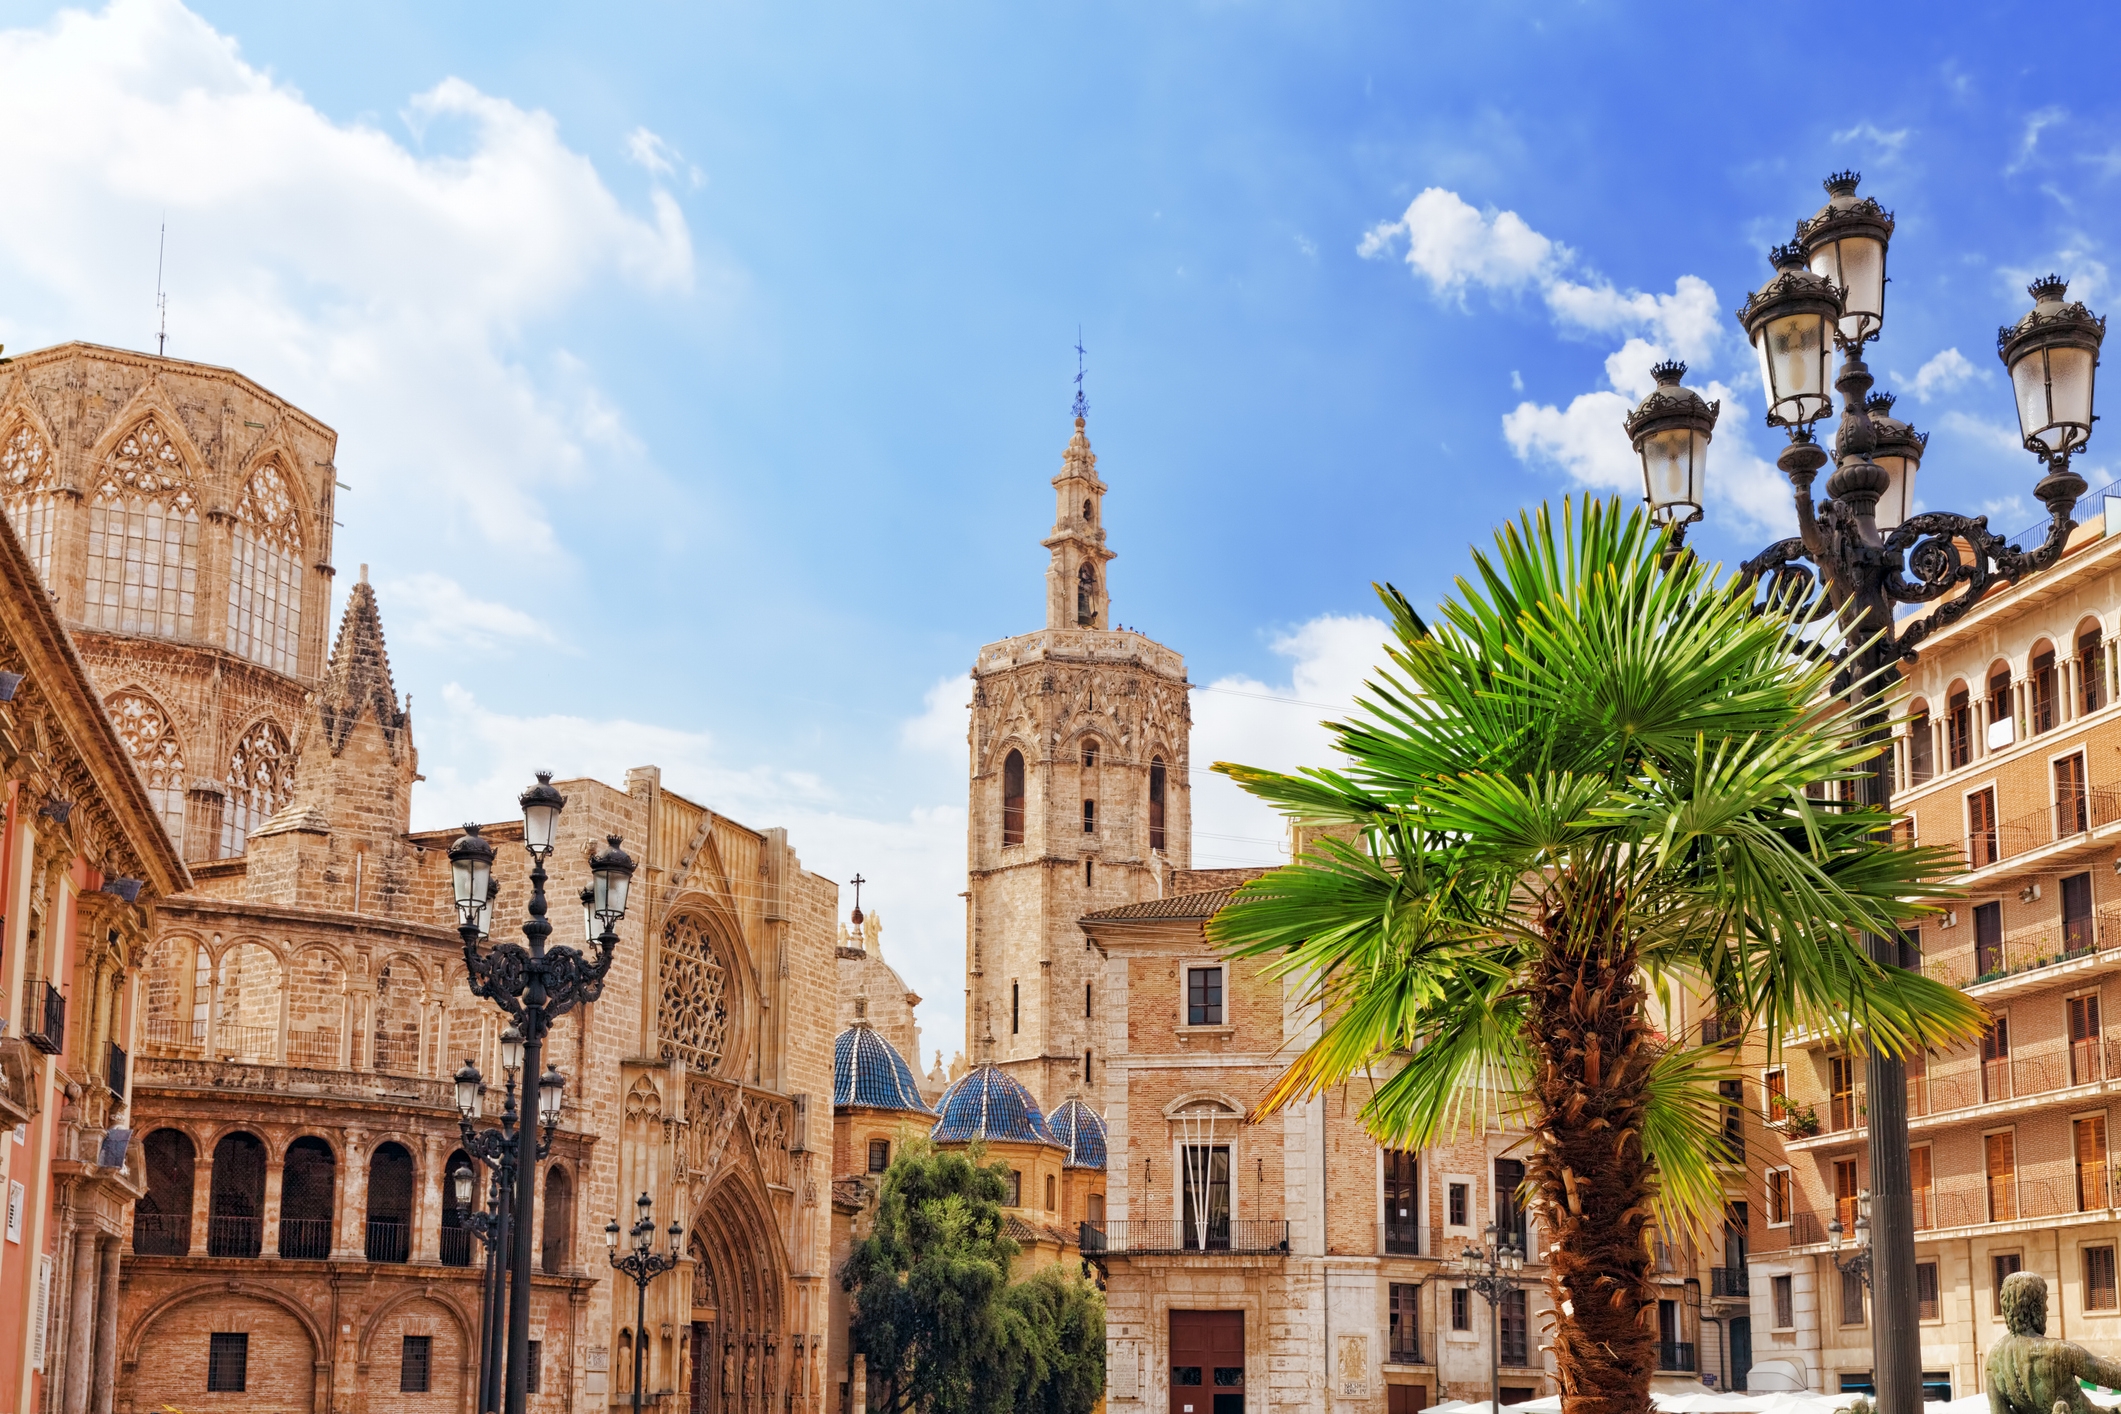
644, 1265
1493, 1272
1859, 1260
534, 984
496, 1149
1863, 549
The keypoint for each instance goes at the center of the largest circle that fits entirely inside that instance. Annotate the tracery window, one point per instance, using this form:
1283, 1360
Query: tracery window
28, 484
693, 1015
147, 733
261, 777
265, 573
143, 540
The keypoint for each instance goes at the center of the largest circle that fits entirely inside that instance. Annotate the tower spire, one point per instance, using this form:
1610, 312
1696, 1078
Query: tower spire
1082, 405
1076, 593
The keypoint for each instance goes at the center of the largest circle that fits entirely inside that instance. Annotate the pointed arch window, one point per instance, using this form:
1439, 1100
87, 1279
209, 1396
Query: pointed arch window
1156, 803
261, 778
29, 484
265, 573
152, 741
1013, 798
693, 1014
143, 540
1086, 596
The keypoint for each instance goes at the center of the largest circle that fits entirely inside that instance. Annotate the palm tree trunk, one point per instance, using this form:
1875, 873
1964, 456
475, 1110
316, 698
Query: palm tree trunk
1595, 1052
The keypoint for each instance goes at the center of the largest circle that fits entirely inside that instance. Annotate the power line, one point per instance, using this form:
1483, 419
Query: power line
1272, 697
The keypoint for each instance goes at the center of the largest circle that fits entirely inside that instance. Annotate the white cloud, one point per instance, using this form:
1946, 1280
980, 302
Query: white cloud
944, 720
2029, 139
435, 611
1585, 439
354, 271
1887, 144
658, 157
1687, 322
1274, 725
1979, 430
1945, 372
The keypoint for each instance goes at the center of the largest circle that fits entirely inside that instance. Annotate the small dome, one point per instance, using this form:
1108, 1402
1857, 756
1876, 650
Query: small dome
868, 1070
1077, 1128
988, 1104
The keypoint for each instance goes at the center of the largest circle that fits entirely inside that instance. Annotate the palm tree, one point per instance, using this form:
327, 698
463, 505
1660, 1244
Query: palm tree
1584, 789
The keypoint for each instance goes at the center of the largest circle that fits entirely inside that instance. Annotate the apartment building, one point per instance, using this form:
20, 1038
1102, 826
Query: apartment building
2011, 755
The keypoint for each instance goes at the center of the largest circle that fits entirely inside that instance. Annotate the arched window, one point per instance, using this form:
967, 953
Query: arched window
237, 1203
457, 1240
2043, 706
29, 482
152, 740
261, 777
1085, 596
265, 573
143, 540
692, 1016
1089, 751
1089, 511
1156, 803
306, 1183
1958, 726
389, 1204
1013, 798
162, 1220
399, 1001
2091, 667
1921, 745
559, 1222
1089, 817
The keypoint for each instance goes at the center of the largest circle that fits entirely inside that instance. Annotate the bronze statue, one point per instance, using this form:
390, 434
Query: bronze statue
2030, 1374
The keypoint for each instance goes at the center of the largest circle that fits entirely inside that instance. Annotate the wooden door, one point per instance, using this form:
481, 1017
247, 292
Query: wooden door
1207, 1362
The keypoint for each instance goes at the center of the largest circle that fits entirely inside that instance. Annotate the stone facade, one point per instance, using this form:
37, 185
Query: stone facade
1079, 800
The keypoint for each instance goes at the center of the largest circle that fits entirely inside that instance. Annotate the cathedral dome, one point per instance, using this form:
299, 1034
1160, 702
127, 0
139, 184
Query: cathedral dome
989, 1104
1077, 1128
868, 1070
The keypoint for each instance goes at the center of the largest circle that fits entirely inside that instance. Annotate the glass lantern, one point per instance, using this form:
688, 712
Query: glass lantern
1845, 243
1670, 431
2053, 355
471, 875
542, 804
1791, 323
1899, 454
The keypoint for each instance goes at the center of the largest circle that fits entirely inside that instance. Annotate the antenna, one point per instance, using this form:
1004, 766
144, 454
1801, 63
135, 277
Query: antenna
161, 299
1082, 406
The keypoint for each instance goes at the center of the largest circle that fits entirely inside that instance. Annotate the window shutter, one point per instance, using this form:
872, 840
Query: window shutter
40, 1312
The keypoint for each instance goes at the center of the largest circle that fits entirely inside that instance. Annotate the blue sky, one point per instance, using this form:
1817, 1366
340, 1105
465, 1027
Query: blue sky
700, 369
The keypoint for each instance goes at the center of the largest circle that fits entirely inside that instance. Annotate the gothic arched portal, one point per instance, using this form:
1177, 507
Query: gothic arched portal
739, 1345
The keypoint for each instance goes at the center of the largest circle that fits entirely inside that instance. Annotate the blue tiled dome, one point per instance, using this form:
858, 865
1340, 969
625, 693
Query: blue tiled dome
988, 1104
868, 1070
1077, 1128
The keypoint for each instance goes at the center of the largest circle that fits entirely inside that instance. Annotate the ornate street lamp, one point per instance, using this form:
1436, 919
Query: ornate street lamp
1493, 1271
533, 984
1863, 549
497, 1150
1859, 1260
644, 1265
1671, 431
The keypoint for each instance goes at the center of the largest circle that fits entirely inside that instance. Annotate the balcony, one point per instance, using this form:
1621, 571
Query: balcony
2067, 820
156, 1072
233, 1236
169, 1034
44, 1016
1728, 1281
305, 1239
317, 1049
389, 1240
1162, 1238
457, 1245
1675, 1355
161, 1234
1399, 1238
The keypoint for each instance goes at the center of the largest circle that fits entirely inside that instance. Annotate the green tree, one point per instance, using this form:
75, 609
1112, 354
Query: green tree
943, 1329
1584, 788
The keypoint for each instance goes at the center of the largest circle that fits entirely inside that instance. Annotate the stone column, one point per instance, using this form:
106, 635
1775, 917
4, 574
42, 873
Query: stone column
351, 1194
107, 1326
269, 1228
80, 1322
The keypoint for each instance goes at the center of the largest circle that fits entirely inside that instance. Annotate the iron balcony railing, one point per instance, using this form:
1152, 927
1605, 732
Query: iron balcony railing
456, 1246
232, 1236
318, 1048
305, 1239
1166, 1237
389, 1240
161, 1234
1675, 1355
164, 1033
1728, 1281
44, 1016
1399, 1238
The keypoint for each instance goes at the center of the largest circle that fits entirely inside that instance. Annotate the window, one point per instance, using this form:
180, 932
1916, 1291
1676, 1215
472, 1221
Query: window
1996, 1060
2002, 720
2091, 669
2072, 812
1052, 1194
1013, 798
415, 1362
1097, 1210
1089, 817
1405, 1331
151, 741
1089, 511
553, 1244
1777, 1085
29, 483
265, 573
1509, 1208
2099, 1294
2084, 1057
2088, 1147
1514, 1313
534, 1361
1016, 1008
1841, 1092
1733, 1093
390, 1203
1156, 803
1086, 1001
261, 778
879, 1155
1455, 1206
1778, 1197
1920, 1182
1988, 939
306, 1181
1090, 751
1204, 996
1958, 729
237, 1202
1926, 1308
1207, 1196
143, 540
1089, 873
2000, 1153
162, 1219
1852, 1298
1461, 1309
1086, 1068
2002, 1265
2077, 912
1981, 829
1085, 596
1785, 1302
227, 1362
1921, 748
2043, 694
1016, 1189
1402, 1197
456, 1241
1847, 1196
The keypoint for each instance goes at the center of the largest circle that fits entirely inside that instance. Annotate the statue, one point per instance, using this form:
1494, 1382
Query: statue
2030, 1374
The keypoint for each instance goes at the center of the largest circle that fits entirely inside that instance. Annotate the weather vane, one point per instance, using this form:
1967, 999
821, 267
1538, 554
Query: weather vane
1082, 406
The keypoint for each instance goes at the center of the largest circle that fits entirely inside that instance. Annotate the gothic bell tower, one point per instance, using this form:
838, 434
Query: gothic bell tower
1079, 801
